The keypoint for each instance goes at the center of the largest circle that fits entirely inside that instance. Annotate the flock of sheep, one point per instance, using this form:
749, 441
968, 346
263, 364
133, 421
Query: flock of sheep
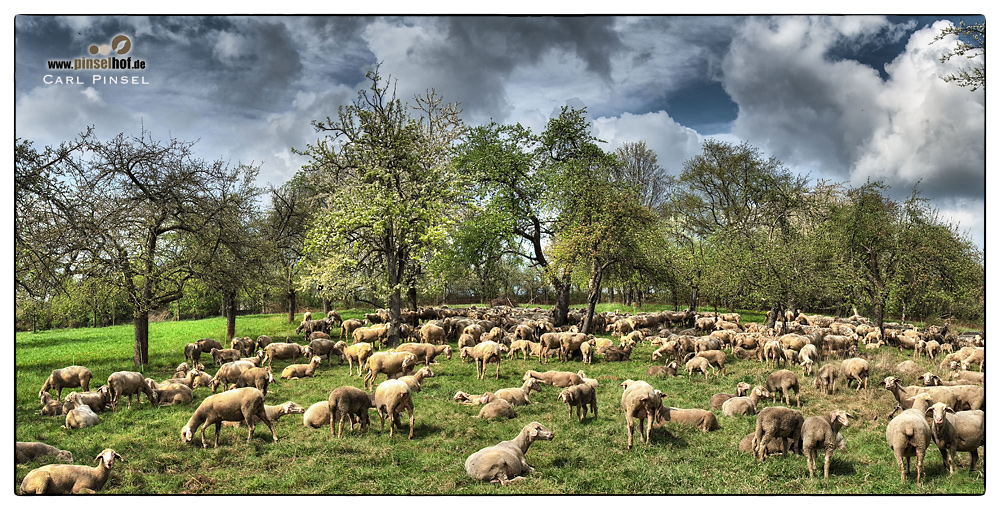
949, 413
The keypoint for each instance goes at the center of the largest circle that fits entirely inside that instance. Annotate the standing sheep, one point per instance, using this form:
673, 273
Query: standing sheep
347, 402
826, 379
784, 381
129, 383
505, 462
482, 354
855, 369
775, 422
357, 353
640, 401
579, 396
391, 398
822, 431
964, 431
240, 404
73, 376
908, 435
389, 363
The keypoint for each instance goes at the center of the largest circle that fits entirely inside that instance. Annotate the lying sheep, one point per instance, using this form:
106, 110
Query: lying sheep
69, 478
580, 396
822, 431
826, 379
554, 378
170, 394
80, 417
520, 396
784, 381
744, 406
470, 400
640, 402
495, 407
964, 431
973, 377
908, 435
317, 415
127, 383
28, 451
299, 371
50, 406
773, 422
956, 397
855, 369
73, 376
930, 379
389, 363
720, 398
391, 398
240, 404
618, 353
348, 402
505, 462
703, 420
199, 379
668, 370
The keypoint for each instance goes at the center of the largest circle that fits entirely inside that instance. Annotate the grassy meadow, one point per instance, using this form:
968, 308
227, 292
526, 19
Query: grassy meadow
583, 458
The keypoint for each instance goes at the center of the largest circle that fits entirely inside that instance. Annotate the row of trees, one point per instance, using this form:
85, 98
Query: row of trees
402, 201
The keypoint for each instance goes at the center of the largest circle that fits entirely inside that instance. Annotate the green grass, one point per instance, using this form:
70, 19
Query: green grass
584, 458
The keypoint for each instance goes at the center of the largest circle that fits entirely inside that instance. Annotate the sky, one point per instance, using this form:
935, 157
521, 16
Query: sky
838, 98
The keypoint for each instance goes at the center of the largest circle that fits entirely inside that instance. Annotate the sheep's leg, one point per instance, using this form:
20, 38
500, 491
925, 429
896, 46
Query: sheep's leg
218, 427
809, 460
975, 458
629, 429
920, 464
409, 411
826, 463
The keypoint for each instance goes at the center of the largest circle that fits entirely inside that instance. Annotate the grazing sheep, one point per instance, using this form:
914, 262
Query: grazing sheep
207, 344
505, 462
239, 404
908, 435
716, 358
784, 381
775, 422
495, 407
348, 402
520, 396
28, 451
389, 363
73, 376
127, 383
317, 415
416, 380
300, 370
327, 347
80, 417
375, 335
192, 353
256, 377
170, 394
242, 344
579, 396
744, 406
669, 369
822, 431
554, 378
525, 347
964, 431
425, 352
855, 369
640, 401
698, 364
548, 342
774, 446
229, 373
772, 352
826, 379
978, 357
704, 420
69, 478
285, 350
50, 406
391, 398
720, 398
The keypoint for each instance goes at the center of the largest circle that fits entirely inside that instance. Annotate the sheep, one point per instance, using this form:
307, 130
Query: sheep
640, 401
974, 377
347, 328
703, 420
207, 344
73, 376
707, 344
548, 341
505, 461
744, 406
774, 422
908, 435
389, 363
471, 400
375, 335
347, 402
907, 366
618, 353
69, 478
784, 381
580, 396
822, 431
416, 380
28, 451
716, 358
720, 398
855, 369
525, 347
357, 353
431, 333
955, 397
317, 415
964, 431
199, 379
978, 357
242, 344
774, 446
826, 379
425, 353
127, 383
285, 350
170, 394
932, 380
495, 407
192, 353
587, 352
772, 352
669, 369
554, 378
391, 398
81, 416
256, 377
239, 404
50, 406
520, 396
329, 348
698, 364
229, 373
301, 370
482, 354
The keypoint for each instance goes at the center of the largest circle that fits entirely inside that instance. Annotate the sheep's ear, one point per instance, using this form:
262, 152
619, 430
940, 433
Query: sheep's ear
949, 410
929, 410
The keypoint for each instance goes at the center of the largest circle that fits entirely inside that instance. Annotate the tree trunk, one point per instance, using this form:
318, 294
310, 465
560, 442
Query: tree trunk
562, 301
593, 294
229, 309
326, 306
141, 326
411, 298
290, 295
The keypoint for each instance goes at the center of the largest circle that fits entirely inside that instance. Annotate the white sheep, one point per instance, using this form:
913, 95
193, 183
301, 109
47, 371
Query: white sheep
580, 396
302, 370
415, 381
391, 398
520, 396
640, 402
744, 406
317, 415
27, 451
964, 431
784, 381
81, 416
240, 404
822, 431
773, 422
70, 479
74, 376
346, 402
908, 435
855, 369
495, 407
505, 462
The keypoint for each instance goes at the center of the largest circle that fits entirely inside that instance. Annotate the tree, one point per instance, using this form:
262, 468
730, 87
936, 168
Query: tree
638, 169
286, 224
390, 193
972, 46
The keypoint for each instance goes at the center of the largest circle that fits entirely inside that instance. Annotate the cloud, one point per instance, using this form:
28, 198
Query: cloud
50, 115
672, 142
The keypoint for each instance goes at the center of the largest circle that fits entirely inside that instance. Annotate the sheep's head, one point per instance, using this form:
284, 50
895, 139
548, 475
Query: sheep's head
538, 431
447, 351
108, 456
890, 382
928, 379
461, 397
742, 388
292, 408
937, 412
839, 416
186, 434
